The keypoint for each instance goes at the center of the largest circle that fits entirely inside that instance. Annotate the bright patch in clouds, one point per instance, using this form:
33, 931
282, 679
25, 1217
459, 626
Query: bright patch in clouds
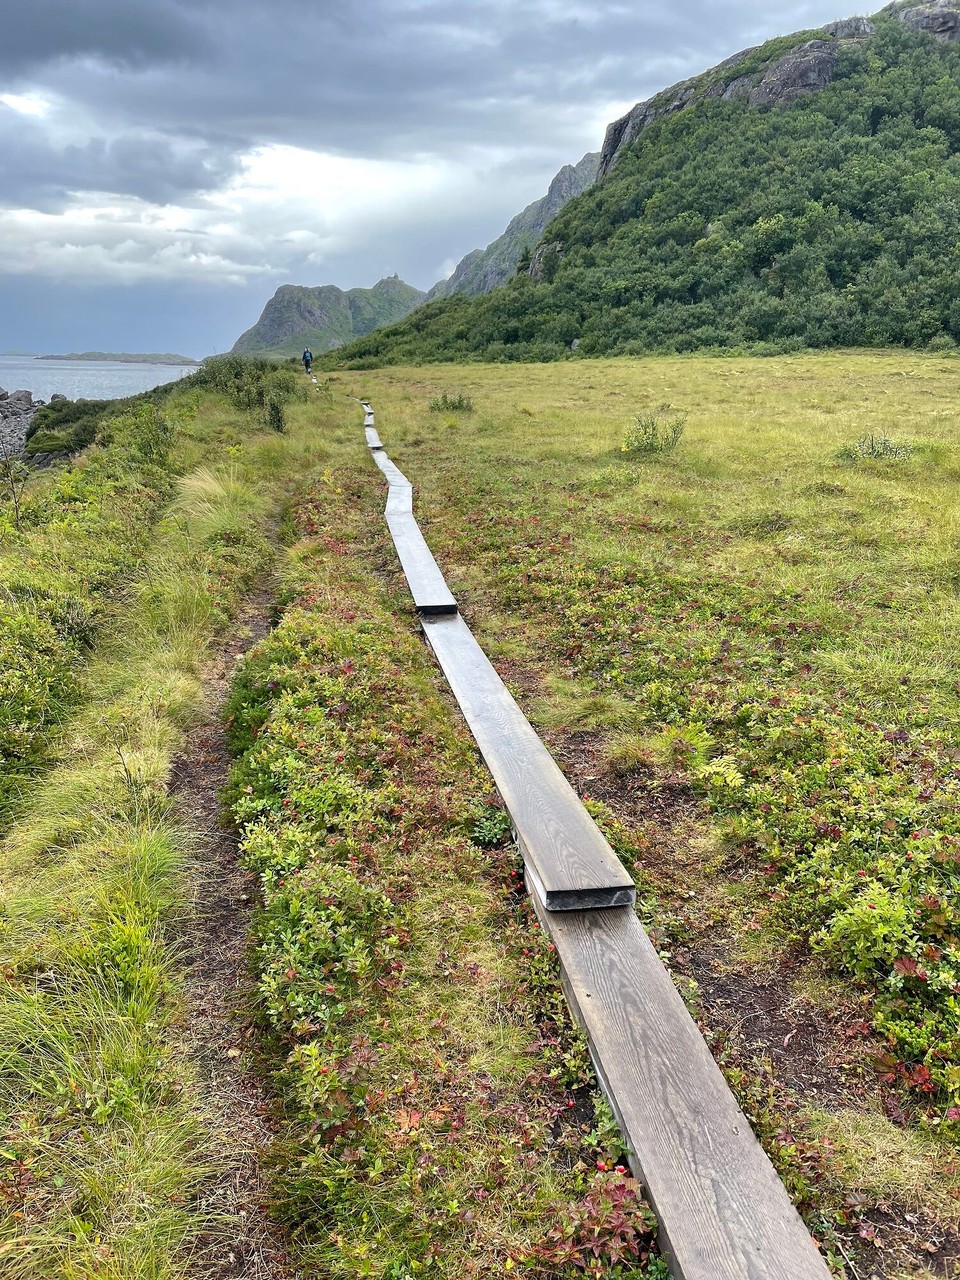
287, 206
26, 104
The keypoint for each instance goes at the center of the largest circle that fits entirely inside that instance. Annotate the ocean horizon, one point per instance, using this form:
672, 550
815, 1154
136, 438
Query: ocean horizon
85, 379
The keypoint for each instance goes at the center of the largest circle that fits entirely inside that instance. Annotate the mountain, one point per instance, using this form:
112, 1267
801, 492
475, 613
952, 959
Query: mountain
804, 193
485, 269
325, 317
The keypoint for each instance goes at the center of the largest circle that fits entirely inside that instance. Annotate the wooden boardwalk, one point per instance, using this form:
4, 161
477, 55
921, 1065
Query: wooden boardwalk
568, 860
723, 1212
431, 595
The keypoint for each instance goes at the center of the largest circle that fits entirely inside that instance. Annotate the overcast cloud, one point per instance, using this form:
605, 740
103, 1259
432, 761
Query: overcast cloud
205, 152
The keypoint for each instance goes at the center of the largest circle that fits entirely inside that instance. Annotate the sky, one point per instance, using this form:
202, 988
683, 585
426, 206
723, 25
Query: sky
165, 166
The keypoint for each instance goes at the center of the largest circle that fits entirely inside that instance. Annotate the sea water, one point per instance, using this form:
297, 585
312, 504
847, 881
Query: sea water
84, 379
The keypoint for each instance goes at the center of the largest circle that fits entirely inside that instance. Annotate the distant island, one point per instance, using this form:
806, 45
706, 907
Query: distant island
126, 357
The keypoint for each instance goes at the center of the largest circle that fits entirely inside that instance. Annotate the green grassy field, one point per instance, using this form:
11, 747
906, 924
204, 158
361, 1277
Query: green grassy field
434, 1110
739, 648
764, 614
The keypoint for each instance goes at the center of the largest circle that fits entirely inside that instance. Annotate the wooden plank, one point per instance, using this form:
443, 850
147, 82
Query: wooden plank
723, 1212
373, 439
431, 595
571, 863
394, 476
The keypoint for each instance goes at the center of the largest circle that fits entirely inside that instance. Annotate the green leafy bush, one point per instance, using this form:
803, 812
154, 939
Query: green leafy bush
873, 446
78, 538
67, 424
447, 403
654, 433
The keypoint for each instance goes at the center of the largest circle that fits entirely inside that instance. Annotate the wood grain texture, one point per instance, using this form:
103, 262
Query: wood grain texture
723, 1212
373, 440
571, 860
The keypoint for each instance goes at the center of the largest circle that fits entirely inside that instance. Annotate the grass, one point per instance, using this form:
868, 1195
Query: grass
773, 617
107, 1146
440, 1115
770, 623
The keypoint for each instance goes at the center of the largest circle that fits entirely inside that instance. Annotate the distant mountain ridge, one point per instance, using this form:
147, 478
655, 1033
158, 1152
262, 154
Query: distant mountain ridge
325, 317
484, 269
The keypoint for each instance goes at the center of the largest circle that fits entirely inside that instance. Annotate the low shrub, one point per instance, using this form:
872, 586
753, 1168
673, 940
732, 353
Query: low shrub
873, 446
447, 403
654, 432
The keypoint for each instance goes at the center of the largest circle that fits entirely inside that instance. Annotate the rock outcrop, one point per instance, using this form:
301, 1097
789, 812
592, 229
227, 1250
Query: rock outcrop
940, 19
850, 28
16, 413
803, 70
485, 269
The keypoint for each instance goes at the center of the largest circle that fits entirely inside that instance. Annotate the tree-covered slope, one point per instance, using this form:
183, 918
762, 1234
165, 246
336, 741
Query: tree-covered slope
834, 220
485, 269
325, 317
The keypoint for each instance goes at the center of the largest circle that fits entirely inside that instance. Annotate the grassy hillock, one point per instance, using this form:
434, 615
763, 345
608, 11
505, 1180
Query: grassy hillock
829, 223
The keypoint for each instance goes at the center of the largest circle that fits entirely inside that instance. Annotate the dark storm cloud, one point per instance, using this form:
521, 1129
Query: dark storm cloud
161, 102
385, 78
42, 175
115, 32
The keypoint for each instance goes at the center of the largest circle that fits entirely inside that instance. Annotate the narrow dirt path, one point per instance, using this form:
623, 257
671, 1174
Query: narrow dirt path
214, 936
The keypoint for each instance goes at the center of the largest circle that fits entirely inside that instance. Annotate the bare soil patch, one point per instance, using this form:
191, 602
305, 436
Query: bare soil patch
217, 1033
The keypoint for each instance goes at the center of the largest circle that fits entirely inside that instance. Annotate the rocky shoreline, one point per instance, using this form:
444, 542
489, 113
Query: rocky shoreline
16, 413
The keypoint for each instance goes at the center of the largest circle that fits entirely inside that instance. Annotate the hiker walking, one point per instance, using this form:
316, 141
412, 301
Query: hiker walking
307, 358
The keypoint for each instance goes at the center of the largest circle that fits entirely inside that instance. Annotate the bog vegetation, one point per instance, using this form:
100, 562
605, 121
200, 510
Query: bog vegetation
731, 581
831, 223
769, 611
435, 1110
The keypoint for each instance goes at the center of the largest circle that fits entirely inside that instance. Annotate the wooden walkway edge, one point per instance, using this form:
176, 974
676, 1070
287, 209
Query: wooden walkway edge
723, 1212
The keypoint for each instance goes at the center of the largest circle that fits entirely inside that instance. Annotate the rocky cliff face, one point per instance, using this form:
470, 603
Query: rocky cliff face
780, 80
485, 269
326, 317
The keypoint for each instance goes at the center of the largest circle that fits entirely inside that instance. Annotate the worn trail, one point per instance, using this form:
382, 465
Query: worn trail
217, 1035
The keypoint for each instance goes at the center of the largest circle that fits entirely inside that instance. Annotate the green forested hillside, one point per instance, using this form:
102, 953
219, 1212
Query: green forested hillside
325, 317
833, 222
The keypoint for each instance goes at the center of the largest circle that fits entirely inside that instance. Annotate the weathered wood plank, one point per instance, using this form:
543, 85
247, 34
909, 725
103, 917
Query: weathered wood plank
373, 439
394, 476
571, 861
431, 595
723, 1212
